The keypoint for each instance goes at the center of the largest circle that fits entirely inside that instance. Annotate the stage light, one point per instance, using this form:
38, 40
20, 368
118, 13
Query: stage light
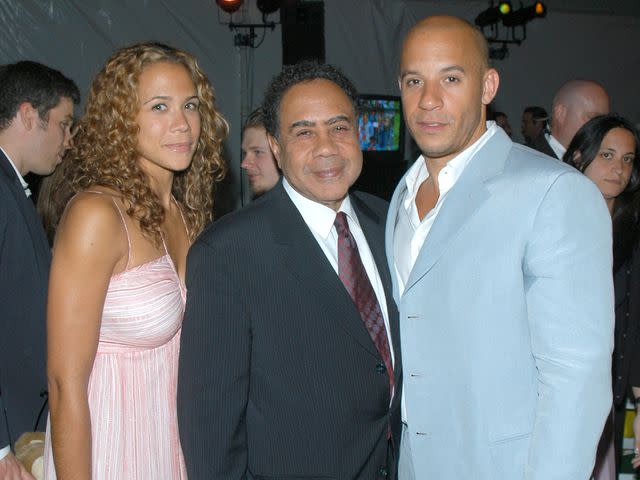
245, 31
493, 14
525, 14
229, 6
268, 6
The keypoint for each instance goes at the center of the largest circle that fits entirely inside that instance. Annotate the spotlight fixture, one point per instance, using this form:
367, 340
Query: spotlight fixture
229, 6
248, 39
514, 25
493, 14
524, 15
268, 6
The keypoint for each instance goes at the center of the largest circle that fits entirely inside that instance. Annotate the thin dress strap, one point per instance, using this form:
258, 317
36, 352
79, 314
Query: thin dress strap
184, 222
124, 223
126, 229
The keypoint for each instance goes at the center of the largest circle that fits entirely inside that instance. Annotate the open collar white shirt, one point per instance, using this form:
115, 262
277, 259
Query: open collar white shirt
411, 232
320, 218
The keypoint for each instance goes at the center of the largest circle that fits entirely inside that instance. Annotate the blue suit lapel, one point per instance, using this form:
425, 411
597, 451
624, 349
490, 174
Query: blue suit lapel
461, 204
389, 234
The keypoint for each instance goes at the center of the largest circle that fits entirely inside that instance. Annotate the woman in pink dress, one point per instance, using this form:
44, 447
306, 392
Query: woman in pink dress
145, 158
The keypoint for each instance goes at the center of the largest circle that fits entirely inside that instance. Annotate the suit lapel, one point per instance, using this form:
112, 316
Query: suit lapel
28, 211
461, 204
301, 255
390, 229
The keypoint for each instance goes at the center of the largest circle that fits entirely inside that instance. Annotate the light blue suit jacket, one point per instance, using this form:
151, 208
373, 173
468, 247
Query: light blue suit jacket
506, 322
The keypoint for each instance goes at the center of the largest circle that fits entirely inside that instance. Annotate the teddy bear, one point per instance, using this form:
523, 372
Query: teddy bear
30, 451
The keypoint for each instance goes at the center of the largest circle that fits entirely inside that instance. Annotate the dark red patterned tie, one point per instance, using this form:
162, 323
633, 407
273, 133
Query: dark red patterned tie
354, 277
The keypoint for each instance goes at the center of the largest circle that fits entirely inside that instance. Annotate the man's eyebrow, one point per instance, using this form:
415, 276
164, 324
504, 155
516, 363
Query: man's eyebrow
453, 68
450, 68
301, 123
404, 73
337, 118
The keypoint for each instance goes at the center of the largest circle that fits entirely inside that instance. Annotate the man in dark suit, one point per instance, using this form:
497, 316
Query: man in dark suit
286, 372
36, 112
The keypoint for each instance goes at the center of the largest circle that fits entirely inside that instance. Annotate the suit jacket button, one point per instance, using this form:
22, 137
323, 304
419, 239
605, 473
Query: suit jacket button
383, 471
380, 368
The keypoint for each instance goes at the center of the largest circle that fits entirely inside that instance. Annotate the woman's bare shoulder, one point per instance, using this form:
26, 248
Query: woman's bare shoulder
92, 224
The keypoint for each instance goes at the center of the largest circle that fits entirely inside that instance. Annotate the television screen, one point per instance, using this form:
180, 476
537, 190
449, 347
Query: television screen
380, 123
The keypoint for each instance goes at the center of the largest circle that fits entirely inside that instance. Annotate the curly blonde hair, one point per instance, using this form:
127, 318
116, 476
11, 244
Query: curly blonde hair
105, 152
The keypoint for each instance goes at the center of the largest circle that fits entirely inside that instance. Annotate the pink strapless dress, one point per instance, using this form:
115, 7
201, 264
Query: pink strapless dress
132, 387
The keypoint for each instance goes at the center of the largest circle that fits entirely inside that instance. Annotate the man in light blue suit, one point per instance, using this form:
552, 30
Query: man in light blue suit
501, 258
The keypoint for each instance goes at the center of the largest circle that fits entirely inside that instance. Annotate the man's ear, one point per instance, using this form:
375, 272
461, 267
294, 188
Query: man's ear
490, 84
27, 115
559, 114
275, 148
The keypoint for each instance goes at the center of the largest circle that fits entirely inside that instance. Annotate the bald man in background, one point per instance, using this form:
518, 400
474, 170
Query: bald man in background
574, 104
501, 261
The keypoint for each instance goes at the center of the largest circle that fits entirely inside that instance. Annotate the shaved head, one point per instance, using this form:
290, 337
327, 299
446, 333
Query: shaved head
574, 104
462, 27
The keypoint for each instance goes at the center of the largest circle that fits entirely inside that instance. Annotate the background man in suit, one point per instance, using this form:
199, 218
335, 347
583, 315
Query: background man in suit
36, 112
257, 159
534, 121
286, 371
574, 104
502, 265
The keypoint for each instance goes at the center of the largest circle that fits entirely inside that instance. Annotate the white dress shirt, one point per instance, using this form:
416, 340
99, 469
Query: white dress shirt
412, 232
7, 449
319, 218
555, 145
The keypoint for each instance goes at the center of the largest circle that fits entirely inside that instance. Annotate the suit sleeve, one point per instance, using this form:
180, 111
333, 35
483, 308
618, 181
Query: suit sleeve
5, 362
569, 291
213, 380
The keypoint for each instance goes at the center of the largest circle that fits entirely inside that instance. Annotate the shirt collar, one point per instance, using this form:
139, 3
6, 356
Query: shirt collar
556, 146
318, 217
418, 172
24, 184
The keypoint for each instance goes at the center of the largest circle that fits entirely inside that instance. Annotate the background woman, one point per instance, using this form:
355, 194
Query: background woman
606, 150
145, 158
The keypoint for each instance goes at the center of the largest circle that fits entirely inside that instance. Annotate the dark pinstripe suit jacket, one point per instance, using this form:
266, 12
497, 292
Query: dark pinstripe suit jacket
278, 375
24, 273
